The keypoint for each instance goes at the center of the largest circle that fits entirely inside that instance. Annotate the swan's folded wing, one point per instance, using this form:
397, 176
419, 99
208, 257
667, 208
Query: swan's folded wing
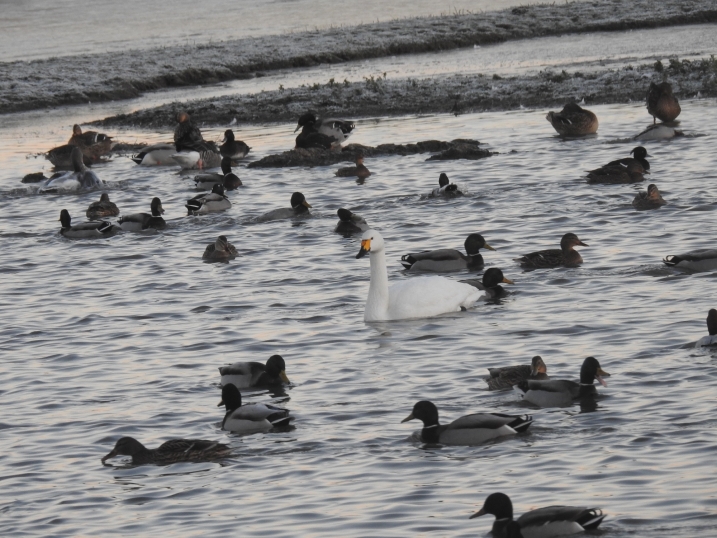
429, 296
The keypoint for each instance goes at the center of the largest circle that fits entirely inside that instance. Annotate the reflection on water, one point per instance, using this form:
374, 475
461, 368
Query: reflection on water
124, 337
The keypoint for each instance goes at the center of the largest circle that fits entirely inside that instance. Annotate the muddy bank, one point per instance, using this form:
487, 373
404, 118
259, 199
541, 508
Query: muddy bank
123, 75
454, 94
455, 149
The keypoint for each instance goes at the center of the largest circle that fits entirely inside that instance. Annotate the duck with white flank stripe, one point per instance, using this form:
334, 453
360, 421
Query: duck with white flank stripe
250, 418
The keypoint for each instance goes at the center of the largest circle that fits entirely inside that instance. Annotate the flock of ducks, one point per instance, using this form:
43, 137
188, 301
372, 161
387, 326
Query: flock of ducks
417, 297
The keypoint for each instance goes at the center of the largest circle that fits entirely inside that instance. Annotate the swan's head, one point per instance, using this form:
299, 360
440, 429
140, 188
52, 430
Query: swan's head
371, 240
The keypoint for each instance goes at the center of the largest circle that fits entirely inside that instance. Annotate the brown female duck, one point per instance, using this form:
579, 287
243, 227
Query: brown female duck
661, 103
567, 256
170, 452
504, 378
102, 208
220, 250
94, 145
573, 120
359, 170
650, 199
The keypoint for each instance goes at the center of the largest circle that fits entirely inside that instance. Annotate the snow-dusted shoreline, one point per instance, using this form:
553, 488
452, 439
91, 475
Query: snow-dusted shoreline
126, 74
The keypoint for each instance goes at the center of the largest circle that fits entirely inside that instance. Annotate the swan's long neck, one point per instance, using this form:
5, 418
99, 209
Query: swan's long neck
377, 302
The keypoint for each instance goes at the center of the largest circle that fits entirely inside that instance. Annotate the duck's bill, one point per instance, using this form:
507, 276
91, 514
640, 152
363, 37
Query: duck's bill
221, 403
599, 376
479, 513
365, 248
409, 417
108, 456
283, 377
488, 247
583, 244
305, 204
297, 128
507, 281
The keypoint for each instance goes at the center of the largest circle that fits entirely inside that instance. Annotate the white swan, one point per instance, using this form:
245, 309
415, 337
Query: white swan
413, 298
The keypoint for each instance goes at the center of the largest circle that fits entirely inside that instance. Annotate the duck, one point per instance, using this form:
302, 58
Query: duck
627, 170
244, 375
468, 430
250, 418
220, 250
156, 155
228, 179
573, 120
659, 131
711, 339
208, 202
61, 157
446, 188
697, 260
299, 207
232, 148
94, 145
649, 199
490, 283
548, 522
509, 376
359, 170
79, 179
191, 160
445, 260
309, 138
420, 297
86, 230
192, 150
34, 177
566, 256
139, 222
340, 130
661, 102
562, 392
350, 223
102, 208
172, 451
639, 155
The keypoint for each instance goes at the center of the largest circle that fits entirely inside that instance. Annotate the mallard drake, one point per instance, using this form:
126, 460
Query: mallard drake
350, 223
156, 155
245, 375
420, 297
61, 157
220, 250
191, 160
649, 199
711, 339
508, 376
79, 179
547, 522
490, 283
138, 222
566, 256
444, 260
310, 138
232, 148
339, 130
102, 208
94, 145
659, 131
573, 120
228, 179
359, 170
208, 202
697, 260
446, 188
299, 207
188, 137
468, 430
562, 392
661, 103
250, 418
627, 170
172, 451
85, 230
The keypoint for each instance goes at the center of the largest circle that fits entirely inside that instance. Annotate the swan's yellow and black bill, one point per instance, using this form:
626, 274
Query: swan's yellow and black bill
409, 417
365, 247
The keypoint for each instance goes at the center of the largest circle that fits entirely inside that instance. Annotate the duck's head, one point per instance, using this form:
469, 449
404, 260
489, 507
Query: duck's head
344, 215
126, 446
425, 411
359, 160
156, 206
231, 397
652, 192
228, 136
182, 117
537, 366
218, 188
712, 321
443, 180
226, 165
298, 200
76, 130
493, 277
572, 108
591, 371
569, 241
639, 153
276, 367
65, 218
221, 244
497, 504
371, 240
306, 119
77, 163
475, 242
104, 197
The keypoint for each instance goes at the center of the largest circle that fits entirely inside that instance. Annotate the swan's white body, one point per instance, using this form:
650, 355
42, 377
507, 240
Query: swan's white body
421, 297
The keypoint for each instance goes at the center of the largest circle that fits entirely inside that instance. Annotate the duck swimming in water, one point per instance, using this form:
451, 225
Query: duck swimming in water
156, 155
649, 199
220, 250
192, 150
445, 187
79, 179
711, 338
659, 131
250, 418
299, 207
244, 375
94, 145
85, 230
339, 130
468, 430
233, 148
490, 283
573, 120
567, 256
548, 522
697, 260
508, 376
228, 179
627, 170
662, 103
208, 202
350, 223
102, 208
139, 222
359, 170
445, 260
172, 451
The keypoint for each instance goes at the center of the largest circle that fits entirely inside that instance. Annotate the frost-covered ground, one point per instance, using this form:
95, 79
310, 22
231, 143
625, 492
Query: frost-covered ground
126, 74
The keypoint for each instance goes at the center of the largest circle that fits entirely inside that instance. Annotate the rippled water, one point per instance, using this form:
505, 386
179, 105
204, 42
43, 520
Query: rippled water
123, 336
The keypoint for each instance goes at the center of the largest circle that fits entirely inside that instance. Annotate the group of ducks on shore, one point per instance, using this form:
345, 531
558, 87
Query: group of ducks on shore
411, 298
